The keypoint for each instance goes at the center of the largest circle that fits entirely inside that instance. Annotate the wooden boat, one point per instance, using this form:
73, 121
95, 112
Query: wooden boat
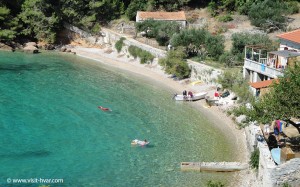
195, 97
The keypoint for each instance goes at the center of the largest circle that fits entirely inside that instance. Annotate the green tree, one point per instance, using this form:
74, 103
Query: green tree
240, 40
134, 6
161, 31
214, 46
199, 42
165, 31
282, 101
40, 20
269, 14
87, 14
8, 24
168, 5
175, 64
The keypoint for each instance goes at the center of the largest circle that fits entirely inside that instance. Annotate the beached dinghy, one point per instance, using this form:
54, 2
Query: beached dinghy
195, 97
139, 142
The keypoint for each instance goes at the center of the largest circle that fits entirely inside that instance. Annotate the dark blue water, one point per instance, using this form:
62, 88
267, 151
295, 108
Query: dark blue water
51, 128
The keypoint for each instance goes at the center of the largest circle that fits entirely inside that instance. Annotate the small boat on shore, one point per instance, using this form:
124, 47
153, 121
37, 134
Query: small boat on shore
139, 142
195, 97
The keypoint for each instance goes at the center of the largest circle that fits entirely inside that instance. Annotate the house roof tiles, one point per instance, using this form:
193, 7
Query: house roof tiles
293, 36
162, 15
262, 84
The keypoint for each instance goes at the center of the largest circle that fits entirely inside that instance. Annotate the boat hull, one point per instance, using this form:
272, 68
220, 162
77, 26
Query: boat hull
195, 97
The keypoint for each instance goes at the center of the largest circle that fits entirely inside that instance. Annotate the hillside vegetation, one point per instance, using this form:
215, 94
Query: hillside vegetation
43, 19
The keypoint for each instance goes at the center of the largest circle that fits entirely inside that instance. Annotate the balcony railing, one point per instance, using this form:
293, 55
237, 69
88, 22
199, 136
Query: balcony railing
262, 68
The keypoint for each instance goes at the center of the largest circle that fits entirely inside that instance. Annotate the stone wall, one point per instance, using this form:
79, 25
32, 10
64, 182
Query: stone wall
203, 72
288, 172
111, 37
251, 131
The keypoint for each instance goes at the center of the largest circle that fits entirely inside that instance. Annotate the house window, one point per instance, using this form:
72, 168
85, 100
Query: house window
285, 48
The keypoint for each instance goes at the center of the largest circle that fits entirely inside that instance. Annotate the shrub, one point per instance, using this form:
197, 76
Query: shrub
145, 56
175, 64
161, 31
232, 79
254, 159
221, 29
212, 8
244, 7
228, 59
119, 44
133, 51
96, 28
241, 110
228, 78
225, 18
293, 7
211, 183
286, 185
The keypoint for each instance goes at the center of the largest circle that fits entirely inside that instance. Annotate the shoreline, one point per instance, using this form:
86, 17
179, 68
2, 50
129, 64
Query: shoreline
154, 73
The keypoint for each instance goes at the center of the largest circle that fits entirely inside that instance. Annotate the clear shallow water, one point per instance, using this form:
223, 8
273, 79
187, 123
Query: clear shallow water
50, 126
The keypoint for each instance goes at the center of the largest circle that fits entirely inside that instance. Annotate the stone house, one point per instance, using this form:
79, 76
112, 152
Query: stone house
290, 41
261, 65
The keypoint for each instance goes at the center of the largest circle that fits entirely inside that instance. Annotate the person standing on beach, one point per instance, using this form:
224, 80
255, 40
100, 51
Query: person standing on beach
184, 93
217, 94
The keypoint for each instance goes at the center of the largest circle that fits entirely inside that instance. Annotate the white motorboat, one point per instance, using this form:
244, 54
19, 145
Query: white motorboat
194, 97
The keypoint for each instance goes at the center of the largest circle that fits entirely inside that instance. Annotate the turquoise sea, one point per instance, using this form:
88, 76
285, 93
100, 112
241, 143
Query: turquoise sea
51, 128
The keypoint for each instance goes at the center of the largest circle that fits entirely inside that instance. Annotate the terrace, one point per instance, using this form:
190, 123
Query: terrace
257, 59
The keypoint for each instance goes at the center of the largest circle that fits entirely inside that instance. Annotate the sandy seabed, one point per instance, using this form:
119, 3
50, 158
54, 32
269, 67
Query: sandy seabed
155, 73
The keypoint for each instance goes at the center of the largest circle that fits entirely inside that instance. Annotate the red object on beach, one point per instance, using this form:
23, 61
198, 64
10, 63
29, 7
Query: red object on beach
102, 108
